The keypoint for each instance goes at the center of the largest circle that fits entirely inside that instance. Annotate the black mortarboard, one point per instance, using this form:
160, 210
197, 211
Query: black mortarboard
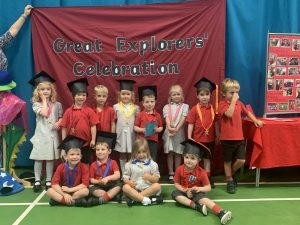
70, 142
205, 83
77, 86
126, 85
41, 77
107, 137
146, 91
195, 148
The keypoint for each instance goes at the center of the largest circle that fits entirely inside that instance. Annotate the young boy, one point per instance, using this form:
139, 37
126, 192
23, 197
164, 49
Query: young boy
201, 121
191, 182
231, 131
105, 113
71, 179
80, 120
148, 122
104, 172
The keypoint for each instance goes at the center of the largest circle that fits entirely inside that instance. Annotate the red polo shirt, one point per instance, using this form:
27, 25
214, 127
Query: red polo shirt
198, 132
231, 128
81, 119
81, 176
143, 118
102, 166
105, 117
196, 178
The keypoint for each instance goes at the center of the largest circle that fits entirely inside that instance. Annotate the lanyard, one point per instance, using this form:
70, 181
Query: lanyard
106, 169
126, 114
172, 121
70, 183
206, 129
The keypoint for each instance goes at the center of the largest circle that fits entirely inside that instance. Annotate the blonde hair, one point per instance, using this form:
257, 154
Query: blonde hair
175, 88
36, 96
119, 96
140, 144
103, 143
100, 89
229, 84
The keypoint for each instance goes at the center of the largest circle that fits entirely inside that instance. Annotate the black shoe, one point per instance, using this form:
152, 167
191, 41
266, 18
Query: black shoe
155, 200
129, 202
171, 179
47, 185
92, 201
202, 209
234, 178
52, 202
81, 202
212, 183
37, 187
231, 188
118, 198
224, 216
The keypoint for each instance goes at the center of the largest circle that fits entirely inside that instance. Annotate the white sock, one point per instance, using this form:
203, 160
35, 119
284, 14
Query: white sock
49, 170
146, 201
38, 169
122, 165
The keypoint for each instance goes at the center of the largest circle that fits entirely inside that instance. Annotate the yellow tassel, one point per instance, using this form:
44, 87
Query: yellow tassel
217, 98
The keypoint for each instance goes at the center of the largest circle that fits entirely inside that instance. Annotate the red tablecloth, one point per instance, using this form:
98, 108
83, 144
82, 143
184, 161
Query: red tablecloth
276, 144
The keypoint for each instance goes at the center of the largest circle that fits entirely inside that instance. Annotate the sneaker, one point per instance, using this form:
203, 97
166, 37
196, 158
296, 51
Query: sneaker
171, 179
231, 188
202, 209
212, 183
130, 202
224, 216
118, 198
52, 202
47, 185
81, 202
92, 201
155, 200
234, 177
37, 187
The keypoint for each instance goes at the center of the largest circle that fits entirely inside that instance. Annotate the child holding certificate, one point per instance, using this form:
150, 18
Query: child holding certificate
148, 122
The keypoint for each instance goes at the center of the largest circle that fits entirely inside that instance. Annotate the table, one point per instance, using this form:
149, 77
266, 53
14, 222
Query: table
276, 144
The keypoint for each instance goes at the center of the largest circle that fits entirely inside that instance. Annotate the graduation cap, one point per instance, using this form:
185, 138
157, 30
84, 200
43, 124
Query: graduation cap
146, 91
71, 142
205, 83
41, 77
107, 137
126, 85
195, 148
77, 86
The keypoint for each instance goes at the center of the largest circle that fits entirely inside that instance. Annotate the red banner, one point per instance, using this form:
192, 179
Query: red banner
283, 74
158, 44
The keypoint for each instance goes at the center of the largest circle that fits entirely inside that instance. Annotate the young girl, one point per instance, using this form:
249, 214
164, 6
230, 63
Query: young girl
141, 176
45, 139
105, 113
126, 111
175, 113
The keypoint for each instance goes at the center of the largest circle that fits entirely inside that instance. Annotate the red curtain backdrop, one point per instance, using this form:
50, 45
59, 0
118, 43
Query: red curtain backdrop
158, 44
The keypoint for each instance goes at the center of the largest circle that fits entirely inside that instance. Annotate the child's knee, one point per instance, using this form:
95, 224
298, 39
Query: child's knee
241, 161
126, 187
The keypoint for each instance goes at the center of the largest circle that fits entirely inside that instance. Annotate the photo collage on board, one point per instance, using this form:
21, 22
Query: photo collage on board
283, 74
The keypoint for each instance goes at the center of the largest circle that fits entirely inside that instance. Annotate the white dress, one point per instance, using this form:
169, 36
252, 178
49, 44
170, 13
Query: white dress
45, 139
172, 143
124, 129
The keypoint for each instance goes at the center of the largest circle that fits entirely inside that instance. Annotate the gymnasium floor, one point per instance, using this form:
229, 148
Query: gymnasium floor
272, 203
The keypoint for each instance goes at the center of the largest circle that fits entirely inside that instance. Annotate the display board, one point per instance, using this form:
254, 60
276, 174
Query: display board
282, 74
